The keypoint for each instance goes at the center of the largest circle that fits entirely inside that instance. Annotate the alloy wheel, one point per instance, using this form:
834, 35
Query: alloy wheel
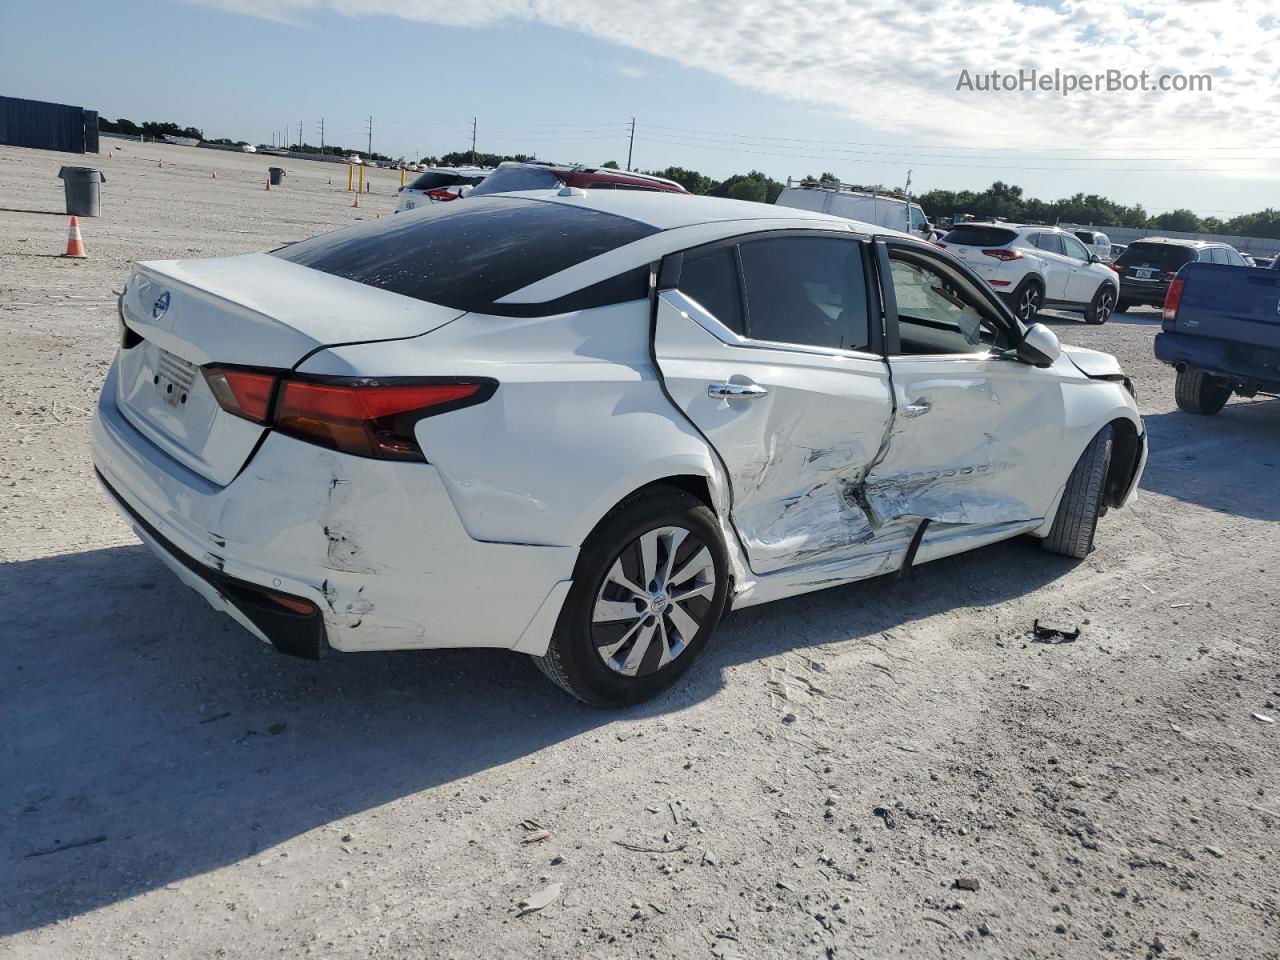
1029, 304
1106, 304
655, 597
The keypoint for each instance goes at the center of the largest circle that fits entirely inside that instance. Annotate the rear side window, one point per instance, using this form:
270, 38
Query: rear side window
515, 178
971, 236
467, 254
1050, 242
712, 280
1163, 256
1085, 235
810, 291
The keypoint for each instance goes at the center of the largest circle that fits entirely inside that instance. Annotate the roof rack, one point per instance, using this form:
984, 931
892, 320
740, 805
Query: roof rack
840, 185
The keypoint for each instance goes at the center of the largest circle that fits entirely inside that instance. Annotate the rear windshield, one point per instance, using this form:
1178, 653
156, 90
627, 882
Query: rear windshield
969, 236
1163, 256
511, 179
431, 181
467, 254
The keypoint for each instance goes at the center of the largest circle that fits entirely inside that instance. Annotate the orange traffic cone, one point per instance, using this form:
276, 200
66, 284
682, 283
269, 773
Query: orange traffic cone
215, 175
268, 187
356, 201
75, 244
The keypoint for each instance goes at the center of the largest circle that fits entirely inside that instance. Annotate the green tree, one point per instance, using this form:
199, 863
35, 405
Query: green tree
610, 165
691, 180
1183, 221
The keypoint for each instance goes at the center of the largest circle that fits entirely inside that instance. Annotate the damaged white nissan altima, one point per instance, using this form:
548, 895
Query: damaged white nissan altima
585, 426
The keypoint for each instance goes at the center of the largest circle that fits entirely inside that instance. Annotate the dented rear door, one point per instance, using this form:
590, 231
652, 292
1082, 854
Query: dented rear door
796, 425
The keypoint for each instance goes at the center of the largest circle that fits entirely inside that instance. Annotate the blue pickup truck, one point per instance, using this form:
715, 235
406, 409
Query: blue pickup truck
1221, 332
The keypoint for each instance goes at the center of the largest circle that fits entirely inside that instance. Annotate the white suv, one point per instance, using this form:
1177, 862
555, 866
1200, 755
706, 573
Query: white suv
440, 184
1034, 266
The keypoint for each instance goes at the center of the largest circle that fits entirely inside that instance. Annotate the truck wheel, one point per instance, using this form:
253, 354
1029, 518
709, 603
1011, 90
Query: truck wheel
1027, 300
1200, 392
649, 588
1072, 532
1104, 301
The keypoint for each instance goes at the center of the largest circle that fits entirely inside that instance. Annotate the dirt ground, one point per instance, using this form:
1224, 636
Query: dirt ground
825, 784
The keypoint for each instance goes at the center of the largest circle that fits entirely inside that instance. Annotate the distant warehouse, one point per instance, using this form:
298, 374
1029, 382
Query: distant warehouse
48, 126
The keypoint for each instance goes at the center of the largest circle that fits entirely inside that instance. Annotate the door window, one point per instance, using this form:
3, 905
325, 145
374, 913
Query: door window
1049, 243
1075, 249
938, 312
809, 291
712, 280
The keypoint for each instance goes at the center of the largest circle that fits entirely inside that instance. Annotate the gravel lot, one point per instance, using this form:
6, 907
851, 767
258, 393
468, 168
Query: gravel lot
169, 787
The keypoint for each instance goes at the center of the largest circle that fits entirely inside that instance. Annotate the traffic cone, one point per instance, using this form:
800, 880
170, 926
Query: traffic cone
75, 244
331, 181
356, 201
377, 216
215, 175
268, 187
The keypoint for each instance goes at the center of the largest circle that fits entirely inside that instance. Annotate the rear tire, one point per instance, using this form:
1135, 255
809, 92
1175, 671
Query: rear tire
649, 589
1200, 393
1082, 501
1027, 300
1122, 306
1102, 306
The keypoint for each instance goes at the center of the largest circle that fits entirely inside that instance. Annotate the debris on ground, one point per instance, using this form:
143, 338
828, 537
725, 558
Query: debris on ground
1263, 718
966, 883
540, 900
1041, 634
886, 816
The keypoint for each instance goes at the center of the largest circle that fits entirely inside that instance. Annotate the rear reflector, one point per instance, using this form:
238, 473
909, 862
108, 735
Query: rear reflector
292, 604
246, 393
998, 283
1171, 301
370, 418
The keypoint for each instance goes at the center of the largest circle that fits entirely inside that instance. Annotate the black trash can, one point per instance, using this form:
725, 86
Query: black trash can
82, 186
277, 174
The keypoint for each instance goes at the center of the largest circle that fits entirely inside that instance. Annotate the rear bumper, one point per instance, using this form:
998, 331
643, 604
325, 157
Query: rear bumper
1136, 291
1242, 363
376, 546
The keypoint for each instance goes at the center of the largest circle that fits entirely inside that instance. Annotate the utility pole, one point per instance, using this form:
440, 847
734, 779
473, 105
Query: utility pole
322, 136
631, 143
473, 141
370, 150
299, 136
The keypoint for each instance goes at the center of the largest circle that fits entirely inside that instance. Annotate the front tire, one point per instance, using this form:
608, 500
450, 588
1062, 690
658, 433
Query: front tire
1200, 393
649, 589
1082, 501
1102, 306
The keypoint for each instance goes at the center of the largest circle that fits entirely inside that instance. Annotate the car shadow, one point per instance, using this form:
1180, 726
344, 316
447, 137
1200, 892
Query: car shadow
1228, 462
149, 739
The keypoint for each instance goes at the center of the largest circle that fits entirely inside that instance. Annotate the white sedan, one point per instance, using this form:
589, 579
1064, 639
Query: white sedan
584, 426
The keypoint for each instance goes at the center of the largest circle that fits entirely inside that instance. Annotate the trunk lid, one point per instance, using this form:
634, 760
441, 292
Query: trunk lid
255, 310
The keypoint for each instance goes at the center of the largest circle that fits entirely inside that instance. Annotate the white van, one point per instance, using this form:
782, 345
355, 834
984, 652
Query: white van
842, 200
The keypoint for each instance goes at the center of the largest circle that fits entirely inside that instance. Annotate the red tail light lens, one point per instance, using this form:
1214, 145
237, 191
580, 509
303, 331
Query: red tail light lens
246, 393
1116, 267
370, 418
1172, 299
440, 193
1003, 254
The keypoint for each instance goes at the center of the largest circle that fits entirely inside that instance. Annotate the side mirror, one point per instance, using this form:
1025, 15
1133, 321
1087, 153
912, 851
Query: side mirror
1039, 346
926, 228
1094, 258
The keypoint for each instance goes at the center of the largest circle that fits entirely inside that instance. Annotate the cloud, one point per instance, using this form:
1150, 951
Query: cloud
895, 66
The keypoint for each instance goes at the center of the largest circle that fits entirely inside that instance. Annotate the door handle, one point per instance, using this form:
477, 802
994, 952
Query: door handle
736, 391
917, 409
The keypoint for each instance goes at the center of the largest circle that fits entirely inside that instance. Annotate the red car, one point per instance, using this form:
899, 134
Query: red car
512, 176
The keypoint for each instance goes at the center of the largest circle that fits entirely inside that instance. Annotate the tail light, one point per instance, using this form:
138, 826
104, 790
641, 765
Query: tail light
1172, 300
440, 193
361, 416
1002, 254
1116, 267
245, 393
1168, 275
